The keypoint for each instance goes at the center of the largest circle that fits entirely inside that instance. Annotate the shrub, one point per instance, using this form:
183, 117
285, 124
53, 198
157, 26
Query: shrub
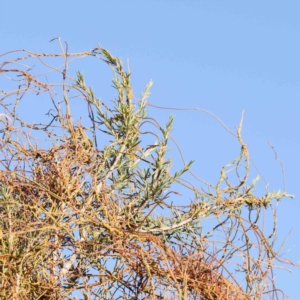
78, 216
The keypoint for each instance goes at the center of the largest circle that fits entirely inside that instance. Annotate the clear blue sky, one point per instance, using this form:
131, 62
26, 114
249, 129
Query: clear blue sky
222, 56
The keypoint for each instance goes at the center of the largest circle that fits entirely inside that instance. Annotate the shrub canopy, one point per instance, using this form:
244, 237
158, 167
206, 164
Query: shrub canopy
79, 216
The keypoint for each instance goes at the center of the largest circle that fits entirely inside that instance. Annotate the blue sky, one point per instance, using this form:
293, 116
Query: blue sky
222, 56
